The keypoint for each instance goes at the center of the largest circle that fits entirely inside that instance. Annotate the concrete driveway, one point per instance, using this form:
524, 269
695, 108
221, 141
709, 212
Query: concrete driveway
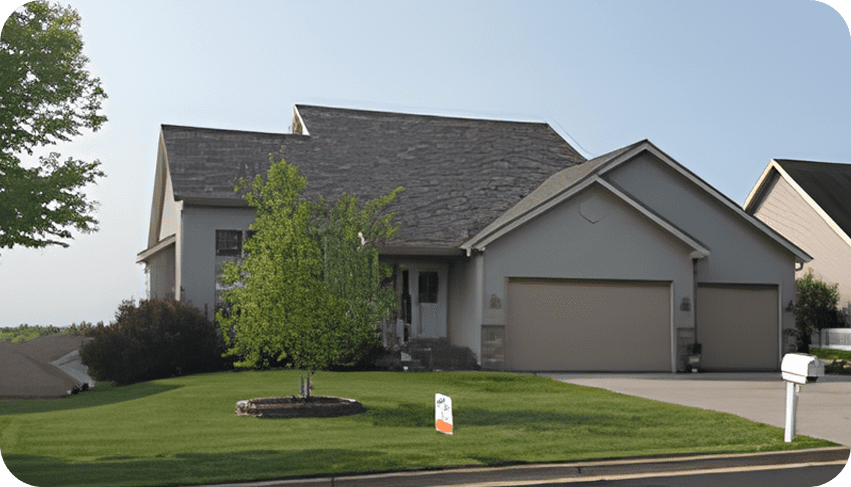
824, 408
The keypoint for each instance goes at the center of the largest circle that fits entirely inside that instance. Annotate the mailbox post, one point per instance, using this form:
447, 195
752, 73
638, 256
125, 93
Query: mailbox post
797, 369
791, 410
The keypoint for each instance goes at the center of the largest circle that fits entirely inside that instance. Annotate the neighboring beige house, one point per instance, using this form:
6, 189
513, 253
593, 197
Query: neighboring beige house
511, 243
810, 204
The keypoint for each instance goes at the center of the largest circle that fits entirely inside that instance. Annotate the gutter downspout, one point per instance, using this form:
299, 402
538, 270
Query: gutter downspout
694, 297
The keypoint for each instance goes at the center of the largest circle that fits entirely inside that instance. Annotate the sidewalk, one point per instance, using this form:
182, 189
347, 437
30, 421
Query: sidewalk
566, 472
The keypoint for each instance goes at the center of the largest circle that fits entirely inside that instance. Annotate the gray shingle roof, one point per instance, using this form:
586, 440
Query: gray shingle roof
828, 183
459, 174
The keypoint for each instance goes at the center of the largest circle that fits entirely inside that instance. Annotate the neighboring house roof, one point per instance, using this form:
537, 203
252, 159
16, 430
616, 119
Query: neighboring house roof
570, 181
825, 186
459, 174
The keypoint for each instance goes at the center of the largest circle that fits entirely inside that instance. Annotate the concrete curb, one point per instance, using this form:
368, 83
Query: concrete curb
530, 474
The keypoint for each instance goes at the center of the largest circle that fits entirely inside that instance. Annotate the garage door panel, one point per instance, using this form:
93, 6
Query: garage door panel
738, 327
588, 325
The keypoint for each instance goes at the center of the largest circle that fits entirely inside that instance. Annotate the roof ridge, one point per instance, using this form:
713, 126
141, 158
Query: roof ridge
235, 131
365, 111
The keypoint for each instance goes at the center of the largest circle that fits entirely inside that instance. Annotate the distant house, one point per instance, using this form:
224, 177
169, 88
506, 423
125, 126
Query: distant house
810, 204
511, 243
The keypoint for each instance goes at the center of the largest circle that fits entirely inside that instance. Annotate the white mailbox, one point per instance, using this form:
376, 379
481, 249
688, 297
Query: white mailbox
797, 369
801, 369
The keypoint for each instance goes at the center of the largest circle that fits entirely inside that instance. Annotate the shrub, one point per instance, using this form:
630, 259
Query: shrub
154, 340
367, 355
815, 310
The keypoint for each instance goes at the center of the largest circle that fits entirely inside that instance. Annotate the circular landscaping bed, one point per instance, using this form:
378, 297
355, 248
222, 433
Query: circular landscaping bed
299, 407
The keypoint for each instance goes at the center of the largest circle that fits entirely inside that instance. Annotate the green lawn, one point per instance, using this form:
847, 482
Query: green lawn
831, 354
184, 430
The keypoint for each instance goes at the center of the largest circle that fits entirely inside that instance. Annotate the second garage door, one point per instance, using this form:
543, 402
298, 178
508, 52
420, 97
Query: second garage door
738, 327
573, 325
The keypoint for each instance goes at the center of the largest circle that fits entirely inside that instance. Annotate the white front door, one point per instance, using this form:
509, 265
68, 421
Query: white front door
431, 301
430, 321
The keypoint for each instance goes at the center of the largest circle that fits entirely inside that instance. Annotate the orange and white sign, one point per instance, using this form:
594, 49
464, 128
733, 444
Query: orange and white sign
443, 413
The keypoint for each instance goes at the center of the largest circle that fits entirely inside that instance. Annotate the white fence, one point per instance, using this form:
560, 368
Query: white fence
836, 338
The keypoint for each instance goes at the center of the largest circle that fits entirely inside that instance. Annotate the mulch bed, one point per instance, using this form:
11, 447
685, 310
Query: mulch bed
299, 407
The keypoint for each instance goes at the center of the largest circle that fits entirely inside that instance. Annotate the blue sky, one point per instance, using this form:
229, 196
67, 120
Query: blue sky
721, 86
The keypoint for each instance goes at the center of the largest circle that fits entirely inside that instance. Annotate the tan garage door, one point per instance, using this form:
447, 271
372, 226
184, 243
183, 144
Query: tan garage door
588, 325
738, 327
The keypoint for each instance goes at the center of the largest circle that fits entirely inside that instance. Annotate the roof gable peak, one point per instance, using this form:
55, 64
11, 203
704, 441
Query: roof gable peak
568, 182
822, 185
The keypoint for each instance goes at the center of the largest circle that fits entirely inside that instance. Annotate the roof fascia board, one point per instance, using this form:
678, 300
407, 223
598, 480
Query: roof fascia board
160, 176
810, 201
162, 244
622, 158
698, 250
301, 123
756, 195
213, 202
799, 253
420, 251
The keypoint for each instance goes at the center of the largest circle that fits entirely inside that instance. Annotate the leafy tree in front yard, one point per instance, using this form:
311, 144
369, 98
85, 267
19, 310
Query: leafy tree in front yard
816, 309
46, 96
310, 287
361, 285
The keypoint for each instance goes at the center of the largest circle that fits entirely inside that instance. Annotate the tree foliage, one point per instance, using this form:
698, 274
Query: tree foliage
815, 309
46, 96
310, 287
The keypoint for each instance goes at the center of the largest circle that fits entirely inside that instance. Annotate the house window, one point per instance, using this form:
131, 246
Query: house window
428, 287
229, 248
229, 242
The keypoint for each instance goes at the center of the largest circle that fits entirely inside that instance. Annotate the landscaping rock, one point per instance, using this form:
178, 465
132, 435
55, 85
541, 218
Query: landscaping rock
299, 407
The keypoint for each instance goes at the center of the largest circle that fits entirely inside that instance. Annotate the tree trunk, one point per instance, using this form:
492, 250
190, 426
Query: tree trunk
306, 385
804, 346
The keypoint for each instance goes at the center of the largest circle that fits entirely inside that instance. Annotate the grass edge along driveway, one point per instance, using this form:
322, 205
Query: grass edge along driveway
183, 431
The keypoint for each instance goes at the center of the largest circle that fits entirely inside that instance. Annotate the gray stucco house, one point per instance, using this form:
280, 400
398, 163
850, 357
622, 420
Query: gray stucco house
511, 242
809, 203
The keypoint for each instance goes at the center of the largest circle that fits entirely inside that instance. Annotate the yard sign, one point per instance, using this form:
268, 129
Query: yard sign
443, 413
